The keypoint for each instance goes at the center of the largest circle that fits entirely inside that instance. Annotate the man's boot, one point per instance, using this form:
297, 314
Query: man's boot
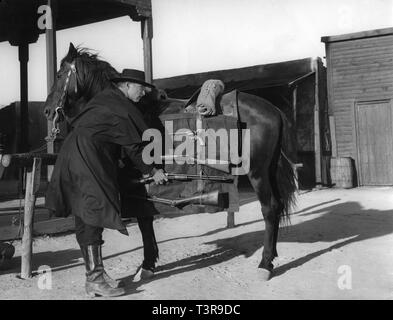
96, 285
112, 282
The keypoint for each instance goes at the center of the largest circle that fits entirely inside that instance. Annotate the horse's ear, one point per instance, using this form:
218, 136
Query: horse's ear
72, 52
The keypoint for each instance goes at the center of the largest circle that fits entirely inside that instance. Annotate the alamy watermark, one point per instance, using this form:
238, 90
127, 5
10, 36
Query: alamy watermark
206, 148
44, 281
344, 282
45, 20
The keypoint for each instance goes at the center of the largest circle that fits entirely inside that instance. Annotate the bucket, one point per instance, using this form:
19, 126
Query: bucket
341, 172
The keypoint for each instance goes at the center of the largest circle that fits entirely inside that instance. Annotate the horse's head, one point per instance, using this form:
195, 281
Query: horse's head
65, 87
81, 76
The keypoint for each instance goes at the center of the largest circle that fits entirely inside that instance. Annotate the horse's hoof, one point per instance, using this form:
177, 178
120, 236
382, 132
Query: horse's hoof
264, 274
143, 274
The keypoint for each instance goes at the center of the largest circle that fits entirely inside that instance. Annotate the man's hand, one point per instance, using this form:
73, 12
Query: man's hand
159, 176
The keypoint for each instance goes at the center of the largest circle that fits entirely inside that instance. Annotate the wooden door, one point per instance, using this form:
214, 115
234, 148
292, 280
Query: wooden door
375, 142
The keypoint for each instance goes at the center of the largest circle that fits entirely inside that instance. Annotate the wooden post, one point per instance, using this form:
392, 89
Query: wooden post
295, 112
23, 50
32, 185
317, 132
295, 168
332, 126
294, 106
200, 149
230, 219
147, 35
51, 69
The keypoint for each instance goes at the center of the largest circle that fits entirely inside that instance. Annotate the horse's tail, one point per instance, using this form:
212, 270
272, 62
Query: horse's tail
284, 183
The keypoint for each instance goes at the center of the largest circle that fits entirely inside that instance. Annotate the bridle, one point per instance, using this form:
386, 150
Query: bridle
60, 103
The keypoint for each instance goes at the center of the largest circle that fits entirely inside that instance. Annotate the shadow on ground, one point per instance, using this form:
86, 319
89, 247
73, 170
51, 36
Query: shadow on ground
342, 224
57, 260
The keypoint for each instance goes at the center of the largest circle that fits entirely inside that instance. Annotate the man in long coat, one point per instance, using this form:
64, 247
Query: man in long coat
84, 181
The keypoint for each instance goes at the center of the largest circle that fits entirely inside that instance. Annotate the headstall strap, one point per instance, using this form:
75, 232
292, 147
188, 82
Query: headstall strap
59, 108
73, 70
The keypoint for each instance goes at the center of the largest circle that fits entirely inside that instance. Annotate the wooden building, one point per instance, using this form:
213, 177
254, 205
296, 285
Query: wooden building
360, 92
297, 87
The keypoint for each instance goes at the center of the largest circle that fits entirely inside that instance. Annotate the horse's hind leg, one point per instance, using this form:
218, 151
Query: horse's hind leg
278, 207
275, 236
270, 211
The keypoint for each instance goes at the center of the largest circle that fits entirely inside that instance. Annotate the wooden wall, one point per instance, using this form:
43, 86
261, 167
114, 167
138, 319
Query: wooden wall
359, 70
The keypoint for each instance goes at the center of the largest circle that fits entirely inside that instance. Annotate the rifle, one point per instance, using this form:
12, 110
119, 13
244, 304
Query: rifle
185, 177
213, 198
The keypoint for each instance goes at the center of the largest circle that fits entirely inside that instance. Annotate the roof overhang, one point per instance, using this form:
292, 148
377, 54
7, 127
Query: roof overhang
358, 35
18, 18
285, 73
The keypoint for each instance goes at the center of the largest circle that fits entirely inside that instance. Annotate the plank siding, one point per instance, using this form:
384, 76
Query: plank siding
358, 70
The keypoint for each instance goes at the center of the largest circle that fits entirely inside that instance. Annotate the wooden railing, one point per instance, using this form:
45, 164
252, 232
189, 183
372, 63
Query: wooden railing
32, 162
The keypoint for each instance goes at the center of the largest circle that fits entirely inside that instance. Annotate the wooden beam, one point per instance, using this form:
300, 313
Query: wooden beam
51, 51
147, 35
27, 159
51, 69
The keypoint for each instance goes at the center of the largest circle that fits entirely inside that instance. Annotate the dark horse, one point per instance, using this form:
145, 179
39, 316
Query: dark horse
271, 173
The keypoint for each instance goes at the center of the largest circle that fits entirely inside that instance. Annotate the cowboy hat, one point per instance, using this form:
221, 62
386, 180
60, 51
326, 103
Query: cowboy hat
132, 75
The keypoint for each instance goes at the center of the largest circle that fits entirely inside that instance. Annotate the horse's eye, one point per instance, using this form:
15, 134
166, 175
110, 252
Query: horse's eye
58, 76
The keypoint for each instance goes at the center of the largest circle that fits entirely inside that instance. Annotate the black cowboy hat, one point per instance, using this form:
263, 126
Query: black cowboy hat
132, 75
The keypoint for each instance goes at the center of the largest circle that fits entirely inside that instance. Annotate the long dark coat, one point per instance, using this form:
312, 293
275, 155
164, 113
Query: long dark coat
85, 177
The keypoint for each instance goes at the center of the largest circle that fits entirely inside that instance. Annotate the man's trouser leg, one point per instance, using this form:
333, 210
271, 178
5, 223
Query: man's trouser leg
90, 241
150, 249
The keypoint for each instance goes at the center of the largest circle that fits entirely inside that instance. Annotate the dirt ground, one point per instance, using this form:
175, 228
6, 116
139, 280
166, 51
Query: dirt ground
339, 246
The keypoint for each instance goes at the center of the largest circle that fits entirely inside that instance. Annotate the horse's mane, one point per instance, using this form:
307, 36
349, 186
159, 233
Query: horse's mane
94, 74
